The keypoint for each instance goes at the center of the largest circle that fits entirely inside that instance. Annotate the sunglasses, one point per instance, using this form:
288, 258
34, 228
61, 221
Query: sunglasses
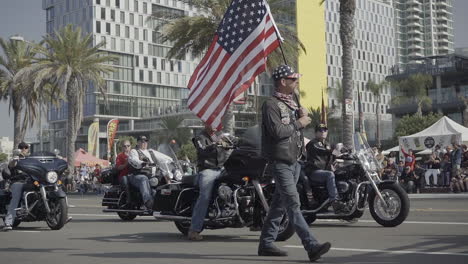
127, 145
24, 148
322, 130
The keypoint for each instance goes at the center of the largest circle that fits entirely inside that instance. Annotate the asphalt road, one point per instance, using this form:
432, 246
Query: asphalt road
435, 232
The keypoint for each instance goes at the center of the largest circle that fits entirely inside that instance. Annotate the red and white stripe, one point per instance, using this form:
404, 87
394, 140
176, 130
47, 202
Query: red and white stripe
221, 77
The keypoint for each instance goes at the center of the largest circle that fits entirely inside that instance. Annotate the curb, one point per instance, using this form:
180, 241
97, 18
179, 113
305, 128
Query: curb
438, 196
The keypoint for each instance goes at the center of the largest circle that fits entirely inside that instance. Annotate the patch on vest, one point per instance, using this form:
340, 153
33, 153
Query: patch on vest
285, 117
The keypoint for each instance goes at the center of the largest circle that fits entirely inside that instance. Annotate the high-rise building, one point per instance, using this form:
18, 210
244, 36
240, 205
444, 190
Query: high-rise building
373, 57
424, 28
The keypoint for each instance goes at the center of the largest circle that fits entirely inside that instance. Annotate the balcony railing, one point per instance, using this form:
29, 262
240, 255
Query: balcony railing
433, 66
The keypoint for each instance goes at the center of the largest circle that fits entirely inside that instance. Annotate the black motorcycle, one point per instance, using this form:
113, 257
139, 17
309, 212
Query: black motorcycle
125, 200
359, 184
43, 197
240, 197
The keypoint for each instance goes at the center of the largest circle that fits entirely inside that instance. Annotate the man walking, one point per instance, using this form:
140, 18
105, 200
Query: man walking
282, 144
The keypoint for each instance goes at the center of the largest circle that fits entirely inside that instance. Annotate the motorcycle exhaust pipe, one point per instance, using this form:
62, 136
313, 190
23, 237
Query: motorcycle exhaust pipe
158, 215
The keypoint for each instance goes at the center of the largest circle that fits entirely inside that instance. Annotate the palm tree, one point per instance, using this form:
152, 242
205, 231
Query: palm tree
347, 11
413, 90
376, 89
22, 97
72, 64
193, 35
172, 130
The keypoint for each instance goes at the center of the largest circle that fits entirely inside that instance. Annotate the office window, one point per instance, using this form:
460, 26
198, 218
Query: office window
163, 64
112, 43
117, 30
132, 19
127, 31
117, 3
103, 40
132, 46
98, 2
145, 8
107, 2
122, 17
108, 30
103, 13
136, 34
155, 63
168, 78
141, 47
145, 35
98, 26
140, 20
122, 45
145, 61
113, 15
137, 61
158, 77
135, 6
150, 76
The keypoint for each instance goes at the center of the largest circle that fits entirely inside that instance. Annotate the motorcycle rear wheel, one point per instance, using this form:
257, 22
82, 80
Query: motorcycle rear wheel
398, 209
59, 214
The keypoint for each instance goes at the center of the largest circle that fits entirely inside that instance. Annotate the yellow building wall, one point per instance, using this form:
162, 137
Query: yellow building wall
312, 64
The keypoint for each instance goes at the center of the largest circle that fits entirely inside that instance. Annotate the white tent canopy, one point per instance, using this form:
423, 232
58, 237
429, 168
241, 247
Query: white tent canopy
387, 151
442, 133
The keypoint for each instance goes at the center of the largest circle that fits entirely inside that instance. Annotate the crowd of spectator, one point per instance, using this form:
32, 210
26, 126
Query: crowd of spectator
444, 167
85, 179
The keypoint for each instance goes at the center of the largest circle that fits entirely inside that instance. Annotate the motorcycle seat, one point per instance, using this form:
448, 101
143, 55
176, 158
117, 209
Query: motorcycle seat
189, 179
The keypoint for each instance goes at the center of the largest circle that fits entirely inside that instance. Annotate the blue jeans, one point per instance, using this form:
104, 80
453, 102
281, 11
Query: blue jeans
286, 199
142, 183
206, 180
16, 193
327, 177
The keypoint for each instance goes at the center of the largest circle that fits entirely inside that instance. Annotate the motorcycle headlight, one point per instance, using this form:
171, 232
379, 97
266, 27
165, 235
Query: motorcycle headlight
178, 175
52, 177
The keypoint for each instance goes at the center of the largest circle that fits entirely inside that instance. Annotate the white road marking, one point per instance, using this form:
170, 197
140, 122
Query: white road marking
27, 231
405, 222
389, 251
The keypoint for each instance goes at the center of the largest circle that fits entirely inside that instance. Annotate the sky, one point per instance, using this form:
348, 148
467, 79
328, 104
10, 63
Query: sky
26, 18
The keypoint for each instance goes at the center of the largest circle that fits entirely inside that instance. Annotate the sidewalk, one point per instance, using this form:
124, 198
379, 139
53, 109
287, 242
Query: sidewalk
438, 195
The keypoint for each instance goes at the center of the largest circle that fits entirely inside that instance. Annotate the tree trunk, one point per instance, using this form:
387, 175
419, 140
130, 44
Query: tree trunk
18, 136
347, 10
228, 120
419, 111
377, 118
72, 128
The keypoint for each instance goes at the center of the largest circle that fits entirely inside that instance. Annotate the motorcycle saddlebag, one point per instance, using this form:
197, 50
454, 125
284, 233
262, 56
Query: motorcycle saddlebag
166, 197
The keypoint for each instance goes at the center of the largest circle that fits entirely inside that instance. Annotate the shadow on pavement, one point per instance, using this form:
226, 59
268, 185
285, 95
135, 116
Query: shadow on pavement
158, 237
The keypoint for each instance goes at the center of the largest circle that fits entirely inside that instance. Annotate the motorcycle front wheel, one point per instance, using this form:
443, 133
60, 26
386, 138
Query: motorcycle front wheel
58, 215
394, 210
125, 216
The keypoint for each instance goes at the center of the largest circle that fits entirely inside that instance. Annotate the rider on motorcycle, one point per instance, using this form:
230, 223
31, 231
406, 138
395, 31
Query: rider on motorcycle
318, 166
139, 160
16, 186
213, 151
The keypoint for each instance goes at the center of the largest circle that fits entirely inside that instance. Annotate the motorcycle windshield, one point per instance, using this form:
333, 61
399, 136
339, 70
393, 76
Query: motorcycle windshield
366, 155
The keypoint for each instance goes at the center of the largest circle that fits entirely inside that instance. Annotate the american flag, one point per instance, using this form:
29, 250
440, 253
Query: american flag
243, 40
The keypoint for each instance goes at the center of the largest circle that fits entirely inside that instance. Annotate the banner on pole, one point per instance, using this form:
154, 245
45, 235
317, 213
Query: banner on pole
112, 127
93, 139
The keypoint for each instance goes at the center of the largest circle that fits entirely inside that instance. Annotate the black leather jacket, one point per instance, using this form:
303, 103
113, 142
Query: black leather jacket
282, 138
209, 154
319, 156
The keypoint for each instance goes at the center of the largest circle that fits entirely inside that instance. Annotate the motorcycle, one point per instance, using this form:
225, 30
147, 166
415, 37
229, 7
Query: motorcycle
43, 197
240, 198
125, 199
359, 185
